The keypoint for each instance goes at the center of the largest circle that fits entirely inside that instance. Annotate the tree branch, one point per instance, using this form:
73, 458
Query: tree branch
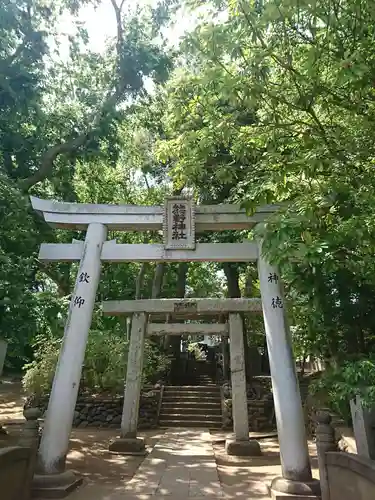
140, 280
62, 286
50, 156
48, 160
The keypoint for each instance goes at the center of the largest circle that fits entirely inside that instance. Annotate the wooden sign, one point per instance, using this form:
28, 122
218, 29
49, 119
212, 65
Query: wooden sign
179, 223
187, 306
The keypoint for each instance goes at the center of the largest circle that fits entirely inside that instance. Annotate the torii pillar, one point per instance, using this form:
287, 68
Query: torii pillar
240, 445
51, 475
296, 476
129, 443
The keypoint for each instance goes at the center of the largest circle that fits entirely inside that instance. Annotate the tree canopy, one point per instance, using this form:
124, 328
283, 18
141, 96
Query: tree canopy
260, 102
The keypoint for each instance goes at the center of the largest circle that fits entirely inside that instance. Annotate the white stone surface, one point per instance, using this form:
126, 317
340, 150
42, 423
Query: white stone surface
3, 352
113, 252
180, 466
238, 377
287, 399
133, 382
225, 360
363, 429
60, 413
191, 306
144, 218
187, 329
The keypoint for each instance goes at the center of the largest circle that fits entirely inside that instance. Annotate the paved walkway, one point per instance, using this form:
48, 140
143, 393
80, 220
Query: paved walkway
182, 464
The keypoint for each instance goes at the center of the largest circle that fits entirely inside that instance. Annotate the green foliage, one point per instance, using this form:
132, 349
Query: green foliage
273, 102
104, 368
65, 128
194, 348
268, 102
156, 363
39, 373
339, 384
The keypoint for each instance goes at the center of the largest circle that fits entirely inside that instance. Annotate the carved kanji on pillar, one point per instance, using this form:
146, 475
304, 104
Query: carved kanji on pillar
179, 224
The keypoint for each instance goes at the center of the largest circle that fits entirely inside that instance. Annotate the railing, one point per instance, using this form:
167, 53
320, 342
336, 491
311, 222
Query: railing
17, 463
343, 476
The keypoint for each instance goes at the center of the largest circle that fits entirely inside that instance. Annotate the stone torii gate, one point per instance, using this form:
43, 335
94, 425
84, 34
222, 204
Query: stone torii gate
185, 309
179, 219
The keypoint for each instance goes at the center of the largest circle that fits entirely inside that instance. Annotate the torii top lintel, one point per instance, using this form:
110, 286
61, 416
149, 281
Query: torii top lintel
192, 308
144, 218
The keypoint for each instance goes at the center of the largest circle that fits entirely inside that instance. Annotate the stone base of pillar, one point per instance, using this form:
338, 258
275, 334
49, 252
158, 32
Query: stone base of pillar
285, 489
128, 446
55, 485
247, 448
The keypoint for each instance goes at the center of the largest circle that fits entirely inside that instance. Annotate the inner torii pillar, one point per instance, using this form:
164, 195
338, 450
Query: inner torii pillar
129, 443
240, 445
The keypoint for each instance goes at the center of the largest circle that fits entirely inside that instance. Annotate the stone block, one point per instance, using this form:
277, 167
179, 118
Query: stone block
248, 448
128, 446
281, 487
276, 495
55, 485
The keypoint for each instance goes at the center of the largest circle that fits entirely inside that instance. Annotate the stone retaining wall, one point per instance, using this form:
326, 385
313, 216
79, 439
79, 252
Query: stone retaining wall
106, 411
259, 404
261, 415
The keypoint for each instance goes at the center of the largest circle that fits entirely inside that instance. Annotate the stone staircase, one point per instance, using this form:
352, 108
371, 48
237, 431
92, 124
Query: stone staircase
191, 406
196, 373
193, 399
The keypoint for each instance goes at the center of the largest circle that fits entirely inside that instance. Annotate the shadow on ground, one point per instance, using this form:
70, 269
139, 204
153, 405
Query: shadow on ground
178, 469
89, 456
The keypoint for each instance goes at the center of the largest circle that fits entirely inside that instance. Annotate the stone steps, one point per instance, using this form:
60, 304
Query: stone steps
190, 398
189, 416
192, 388
204, 405
187, 410
206, 424
191, 406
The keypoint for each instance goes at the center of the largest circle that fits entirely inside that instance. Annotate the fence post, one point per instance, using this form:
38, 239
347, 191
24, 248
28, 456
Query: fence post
30, 438
325, 441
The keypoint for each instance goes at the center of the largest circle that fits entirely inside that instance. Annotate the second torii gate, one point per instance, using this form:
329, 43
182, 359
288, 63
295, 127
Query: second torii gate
184, 308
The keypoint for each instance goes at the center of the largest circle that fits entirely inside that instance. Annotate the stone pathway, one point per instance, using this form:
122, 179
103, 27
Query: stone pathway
182, 464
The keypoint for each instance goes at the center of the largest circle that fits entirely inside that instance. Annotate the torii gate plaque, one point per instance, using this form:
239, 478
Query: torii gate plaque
179, 224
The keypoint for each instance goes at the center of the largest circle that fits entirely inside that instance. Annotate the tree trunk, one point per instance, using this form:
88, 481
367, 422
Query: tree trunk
172, 342
138, 289
157, 284
140, 280
158, 280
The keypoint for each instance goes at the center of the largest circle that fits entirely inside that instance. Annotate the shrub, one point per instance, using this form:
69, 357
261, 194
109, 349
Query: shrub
104, 367
338, 385
39, 373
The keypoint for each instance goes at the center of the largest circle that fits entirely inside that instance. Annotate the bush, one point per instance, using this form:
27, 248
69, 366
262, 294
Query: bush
194, 348
338, 385
156, 363
104, 367
39, 373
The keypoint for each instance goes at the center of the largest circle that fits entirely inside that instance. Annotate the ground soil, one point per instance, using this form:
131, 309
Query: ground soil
104, 472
